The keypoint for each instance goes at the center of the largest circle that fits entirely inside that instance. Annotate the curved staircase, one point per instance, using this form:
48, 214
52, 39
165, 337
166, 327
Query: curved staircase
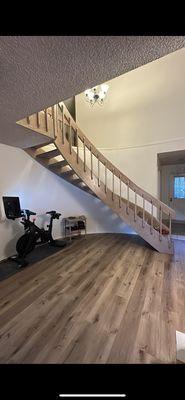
71, 155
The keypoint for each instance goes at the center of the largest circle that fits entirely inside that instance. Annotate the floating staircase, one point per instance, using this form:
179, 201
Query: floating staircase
49, 156
71, 155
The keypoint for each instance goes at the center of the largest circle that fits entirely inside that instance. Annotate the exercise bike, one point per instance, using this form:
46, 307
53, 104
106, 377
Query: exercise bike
33, 235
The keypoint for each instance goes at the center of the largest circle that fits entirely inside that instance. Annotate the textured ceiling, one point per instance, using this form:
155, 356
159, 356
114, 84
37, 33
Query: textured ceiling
38, 71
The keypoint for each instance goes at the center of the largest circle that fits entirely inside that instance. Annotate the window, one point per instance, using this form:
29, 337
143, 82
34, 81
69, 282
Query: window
179, 187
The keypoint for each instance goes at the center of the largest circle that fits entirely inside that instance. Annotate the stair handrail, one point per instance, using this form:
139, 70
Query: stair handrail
105, 161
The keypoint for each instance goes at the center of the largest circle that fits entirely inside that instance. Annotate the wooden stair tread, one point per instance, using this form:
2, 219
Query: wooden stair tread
41, 145
56, 164
48, 154
67, 173
77, 180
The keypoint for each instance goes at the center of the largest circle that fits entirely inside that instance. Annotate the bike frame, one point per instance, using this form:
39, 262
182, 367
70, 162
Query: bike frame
44, 235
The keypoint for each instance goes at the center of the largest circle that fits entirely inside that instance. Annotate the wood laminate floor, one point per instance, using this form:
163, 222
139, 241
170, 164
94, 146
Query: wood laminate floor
109, 298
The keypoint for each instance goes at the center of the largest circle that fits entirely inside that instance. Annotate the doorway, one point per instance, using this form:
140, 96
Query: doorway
177, 193
172, 186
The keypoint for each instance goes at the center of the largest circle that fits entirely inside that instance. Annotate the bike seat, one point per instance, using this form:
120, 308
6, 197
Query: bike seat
28, 213
54, 214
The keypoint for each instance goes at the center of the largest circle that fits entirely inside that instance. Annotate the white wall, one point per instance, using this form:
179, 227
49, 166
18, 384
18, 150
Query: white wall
40, 190
143, 115
143, 106
140, 163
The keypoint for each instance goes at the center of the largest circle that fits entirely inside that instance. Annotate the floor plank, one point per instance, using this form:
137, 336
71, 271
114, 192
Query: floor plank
109, 298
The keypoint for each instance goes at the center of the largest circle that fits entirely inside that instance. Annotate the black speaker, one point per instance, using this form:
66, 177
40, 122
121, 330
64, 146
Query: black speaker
12, 207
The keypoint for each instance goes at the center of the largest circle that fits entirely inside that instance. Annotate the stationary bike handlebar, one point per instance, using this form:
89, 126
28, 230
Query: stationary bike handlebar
28, 213
31, 224
54, 214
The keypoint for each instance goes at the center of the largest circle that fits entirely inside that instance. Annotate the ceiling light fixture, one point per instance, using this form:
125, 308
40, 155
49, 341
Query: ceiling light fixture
97, 94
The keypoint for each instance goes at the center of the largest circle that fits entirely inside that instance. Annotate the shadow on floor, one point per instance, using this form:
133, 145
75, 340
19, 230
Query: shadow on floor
9, 267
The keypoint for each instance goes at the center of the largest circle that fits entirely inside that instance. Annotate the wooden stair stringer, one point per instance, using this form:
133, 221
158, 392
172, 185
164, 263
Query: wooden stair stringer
114, 204
43, 161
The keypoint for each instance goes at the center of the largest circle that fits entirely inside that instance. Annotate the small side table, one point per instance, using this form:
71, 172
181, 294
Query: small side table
71, 226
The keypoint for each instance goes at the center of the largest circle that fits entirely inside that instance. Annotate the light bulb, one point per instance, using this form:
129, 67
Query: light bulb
91, 95
104, 87
102, 95
87, 91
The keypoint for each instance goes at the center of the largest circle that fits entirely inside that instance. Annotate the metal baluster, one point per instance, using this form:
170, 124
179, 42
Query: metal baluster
77, 147
135, 206
98, 171
152, 218
70, 142
170, 230
143, 220
63, 125
105, 177
120, 191
55, 117
160, 221
84, 155
91, 163
46, 119
38, 120
128, 202
113, 184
